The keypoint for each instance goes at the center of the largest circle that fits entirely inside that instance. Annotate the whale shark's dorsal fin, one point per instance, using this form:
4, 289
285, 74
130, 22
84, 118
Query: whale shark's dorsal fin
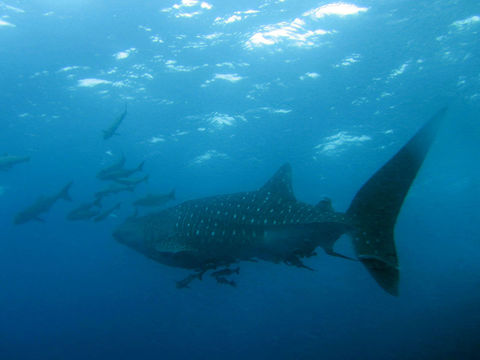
280, 184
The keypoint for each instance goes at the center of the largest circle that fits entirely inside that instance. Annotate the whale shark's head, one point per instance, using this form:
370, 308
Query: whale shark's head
155, 236
152, 232
131, 233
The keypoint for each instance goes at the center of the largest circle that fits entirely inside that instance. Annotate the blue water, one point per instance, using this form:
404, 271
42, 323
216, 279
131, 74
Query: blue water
220, 94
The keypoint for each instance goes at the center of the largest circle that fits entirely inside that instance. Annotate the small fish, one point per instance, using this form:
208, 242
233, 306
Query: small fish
131, 182
184, 283
120, 173
111, 130
107, 213
225, 281
42, 205
225, 272
152, 200
117, 165
8, 161
84, 211
113, 189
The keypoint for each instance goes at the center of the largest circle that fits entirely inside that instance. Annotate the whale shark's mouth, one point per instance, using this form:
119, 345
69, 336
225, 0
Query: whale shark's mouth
127, 233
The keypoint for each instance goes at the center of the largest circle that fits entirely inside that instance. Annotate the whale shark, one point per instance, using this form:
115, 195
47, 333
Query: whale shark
270, 224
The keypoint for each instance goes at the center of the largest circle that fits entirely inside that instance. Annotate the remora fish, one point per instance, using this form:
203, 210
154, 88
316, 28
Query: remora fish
182, 284
152, 200
112, 168
225, 272
132, 182
43, 204
270, 224
113, 189
8, 161
110, 131
120, 173
84, 211
225, 281
107, 213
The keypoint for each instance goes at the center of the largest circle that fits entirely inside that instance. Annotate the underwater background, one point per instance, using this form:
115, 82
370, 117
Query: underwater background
220, 94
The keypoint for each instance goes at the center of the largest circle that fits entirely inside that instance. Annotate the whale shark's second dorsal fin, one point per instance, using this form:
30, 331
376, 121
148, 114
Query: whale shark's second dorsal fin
280, 184
324, 205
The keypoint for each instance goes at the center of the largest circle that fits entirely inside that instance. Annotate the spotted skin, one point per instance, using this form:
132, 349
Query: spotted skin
268, 224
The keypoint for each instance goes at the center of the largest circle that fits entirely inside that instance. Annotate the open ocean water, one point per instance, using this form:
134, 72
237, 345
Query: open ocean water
219, 95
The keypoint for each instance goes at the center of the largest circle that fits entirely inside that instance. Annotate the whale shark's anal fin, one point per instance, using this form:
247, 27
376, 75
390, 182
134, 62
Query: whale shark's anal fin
375, 208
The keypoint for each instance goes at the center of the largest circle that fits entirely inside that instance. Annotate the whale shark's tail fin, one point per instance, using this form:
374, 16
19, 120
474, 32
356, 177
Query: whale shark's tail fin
376, 205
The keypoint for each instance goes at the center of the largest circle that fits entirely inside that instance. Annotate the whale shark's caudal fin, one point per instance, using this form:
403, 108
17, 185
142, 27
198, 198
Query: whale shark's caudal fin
375, 207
